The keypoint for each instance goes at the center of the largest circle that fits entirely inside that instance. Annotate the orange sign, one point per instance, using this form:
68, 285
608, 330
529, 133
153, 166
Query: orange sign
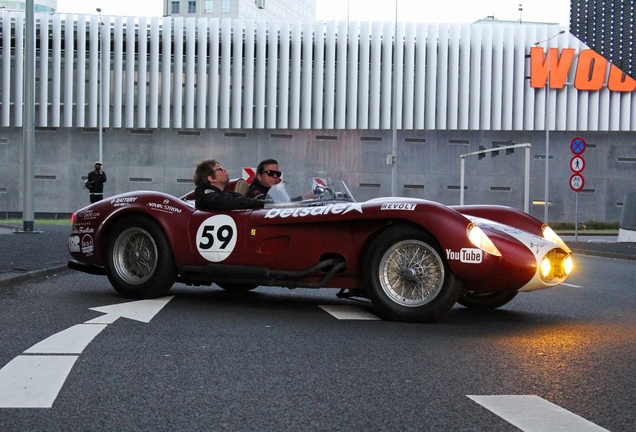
591, 69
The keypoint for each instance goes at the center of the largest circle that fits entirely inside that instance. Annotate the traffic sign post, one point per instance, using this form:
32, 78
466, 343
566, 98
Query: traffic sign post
577, 181
577, 164
578, 145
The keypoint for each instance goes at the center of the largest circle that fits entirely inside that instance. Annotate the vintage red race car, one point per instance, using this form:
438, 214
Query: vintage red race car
413, 258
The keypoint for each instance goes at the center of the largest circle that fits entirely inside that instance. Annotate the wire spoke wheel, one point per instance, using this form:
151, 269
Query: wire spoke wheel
135, 255
406, 276
411, 273
138, 258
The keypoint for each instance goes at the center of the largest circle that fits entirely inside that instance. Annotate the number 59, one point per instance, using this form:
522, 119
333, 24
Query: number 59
224, 234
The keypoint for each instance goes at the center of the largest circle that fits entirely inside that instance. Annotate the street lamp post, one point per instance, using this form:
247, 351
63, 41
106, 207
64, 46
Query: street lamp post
100, 90
392, 158
547, 128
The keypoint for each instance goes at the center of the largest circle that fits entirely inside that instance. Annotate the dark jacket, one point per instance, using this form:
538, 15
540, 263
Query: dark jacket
257, 190
95, 182
213, 198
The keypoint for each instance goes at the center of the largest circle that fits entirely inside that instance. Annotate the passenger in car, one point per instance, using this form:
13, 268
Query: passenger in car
210, 179
267, 175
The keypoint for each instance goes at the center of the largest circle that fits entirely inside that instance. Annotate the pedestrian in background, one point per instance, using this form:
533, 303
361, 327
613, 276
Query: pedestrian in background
95, 183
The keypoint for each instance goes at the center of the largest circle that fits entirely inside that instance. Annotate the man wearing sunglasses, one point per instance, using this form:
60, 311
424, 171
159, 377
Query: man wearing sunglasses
210, 179
267, 175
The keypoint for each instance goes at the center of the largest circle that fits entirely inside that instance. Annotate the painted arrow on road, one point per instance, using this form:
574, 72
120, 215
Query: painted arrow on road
34, 380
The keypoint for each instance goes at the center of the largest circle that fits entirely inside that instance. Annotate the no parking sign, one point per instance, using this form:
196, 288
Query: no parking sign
578, 145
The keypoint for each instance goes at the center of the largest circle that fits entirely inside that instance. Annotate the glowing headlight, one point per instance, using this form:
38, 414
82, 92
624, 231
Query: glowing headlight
555, 266
568, 265
481, 240
545, 267
550, 235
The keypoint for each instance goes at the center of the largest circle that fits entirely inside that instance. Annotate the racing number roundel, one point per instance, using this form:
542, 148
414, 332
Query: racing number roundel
216, 237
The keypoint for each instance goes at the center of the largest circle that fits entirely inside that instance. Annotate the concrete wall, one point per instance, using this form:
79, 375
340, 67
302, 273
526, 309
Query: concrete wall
428, 165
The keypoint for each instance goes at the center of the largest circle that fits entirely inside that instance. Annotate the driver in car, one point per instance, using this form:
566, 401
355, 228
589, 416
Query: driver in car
210, 179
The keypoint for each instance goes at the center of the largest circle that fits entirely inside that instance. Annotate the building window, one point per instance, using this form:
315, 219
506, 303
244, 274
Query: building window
209, 6
192, 6
175, 7
225, 8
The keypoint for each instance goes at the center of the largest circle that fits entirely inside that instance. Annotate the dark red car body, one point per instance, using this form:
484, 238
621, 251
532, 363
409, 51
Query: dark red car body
353, 246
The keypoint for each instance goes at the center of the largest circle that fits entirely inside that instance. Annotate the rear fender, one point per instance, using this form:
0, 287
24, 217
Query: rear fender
174, 227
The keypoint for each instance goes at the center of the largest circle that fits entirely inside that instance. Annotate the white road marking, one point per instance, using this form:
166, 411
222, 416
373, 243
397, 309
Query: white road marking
73, 340
570, 285
531, 413
33, 381
141, 310
346, 312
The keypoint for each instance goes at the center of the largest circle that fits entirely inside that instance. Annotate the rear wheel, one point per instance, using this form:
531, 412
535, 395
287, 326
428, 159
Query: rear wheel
491, 300
138, 259
407, 277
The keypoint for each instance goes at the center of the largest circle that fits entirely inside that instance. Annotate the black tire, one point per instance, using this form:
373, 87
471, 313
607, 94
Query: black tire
138, 259
491, 300
407, 278
236, 287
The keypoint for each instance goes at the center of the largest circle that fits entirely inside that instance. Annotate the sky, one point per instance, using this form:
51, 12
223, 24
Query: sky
448, 11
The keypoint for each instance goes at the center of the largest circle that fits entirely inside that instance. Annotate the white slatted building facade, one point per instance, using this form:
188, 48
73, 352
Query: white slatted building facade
176, 73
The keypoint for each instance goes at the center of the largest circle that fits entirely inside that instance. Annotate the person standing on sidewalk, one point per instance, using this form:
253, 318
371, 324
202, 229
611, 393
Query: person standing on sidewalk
95, 183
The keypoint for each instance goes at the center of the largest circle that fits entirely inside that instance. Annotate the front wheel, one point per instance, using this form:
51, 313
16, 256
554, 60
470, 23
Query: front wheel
491, 300
407, 277
138, 259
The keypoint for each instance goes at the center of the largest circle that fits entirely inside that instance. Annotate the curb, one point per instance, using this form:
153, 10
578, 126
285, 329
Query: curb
603, 254
8, 280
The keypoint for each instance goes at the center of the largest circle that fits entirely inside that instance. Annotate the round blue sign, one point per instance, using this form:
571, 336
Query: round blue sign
577, 146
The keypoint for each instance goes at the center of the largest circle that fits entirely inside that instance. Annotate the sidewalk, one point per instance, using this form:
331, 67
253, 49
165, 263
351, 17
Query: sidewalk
603, 246
45, 252
25, 256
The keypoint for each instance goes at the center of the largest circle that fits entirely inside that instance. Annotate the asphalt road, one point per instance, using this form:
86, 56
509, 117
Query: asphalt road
275, 360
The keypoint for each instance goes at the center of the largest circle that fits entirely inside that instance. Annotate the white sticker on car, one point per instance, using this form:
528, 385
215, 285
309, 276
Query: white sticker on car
465, 255
87, 244
398, 206
216, 238
74, 243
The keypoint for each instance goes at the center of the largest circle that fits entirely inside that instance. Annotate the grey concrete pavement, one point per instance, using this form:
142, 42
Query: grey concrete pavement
34, 254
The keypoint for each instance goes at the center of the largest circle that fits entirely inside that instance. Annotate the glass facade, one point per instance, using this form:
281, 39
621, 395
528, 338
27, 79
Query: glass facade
38, 6
266, 10
608, 28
